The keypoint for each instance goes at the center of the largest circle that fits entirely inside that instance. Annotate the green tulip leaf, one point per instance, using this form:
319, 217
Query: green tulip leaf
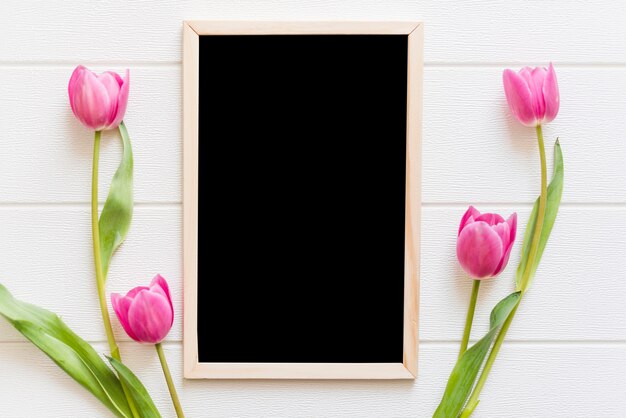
71, 353
143, 401
555, 190
118, 208
464, 374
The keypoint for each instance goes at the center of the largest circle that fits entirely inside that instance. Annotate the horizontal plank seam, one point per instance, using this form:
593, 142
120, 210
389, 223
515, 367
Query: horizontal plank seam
101, 342
82, 205
426, 205
495, 64
175, 64
529, 204
423, 342
532, 342
71, 63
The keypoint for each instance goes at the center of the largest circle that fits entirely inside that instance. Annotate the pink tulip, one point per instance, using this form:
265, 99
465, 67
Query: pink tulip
98, 101
146, 312
532, 94
484, 243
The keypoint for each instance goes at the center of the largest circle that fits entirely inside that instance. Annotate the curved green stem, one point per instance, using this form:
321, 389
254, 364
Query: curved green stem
100, 279
473, 400
541, 213
470, 317
95, 232
170, 382
534, 245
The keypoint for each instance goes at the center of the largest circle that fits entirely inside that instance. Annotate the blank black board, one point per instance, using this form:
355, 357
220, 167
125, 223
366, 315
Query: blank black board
301, 214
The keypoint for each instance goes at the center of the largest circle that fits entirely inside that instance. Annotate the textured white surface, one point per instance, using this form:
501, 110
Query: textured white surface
566, 352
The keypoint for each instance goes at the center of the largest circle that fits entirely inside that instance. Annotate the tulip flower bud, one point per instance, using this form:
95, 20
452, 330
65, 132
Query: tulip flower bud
484, 243
146, 312
98, 101
532, 94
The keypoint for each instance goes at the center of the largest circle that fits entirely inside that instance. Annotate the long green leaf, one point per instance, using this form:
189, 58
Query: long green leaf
555, 191
118, 208
140, 395
71, 353
464, 374
71, 362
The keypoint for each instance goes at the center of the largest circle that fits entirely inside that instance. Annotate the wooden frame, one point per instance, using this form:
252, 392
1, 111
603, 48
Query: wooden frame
193, 369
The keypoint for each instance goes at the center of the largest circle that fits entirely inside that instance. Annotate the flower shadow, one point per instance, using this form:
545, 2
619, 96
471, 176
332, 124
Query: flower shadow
80, 139
520, 136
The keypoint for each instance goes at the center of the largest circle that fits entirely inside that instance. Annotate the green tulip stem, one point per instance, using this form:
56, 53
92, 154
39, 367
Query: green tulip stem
541, 213
470, 317
534, 245
95, 232
170, 382
473, 400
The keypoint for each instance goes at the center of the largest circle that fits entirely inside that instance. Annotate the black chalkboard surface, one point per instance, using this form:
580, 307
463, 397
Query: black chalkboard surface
301, 198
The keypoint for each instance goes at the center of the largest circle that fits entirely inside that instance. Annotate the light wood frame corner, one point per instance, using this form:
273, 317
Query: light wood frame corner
193, 369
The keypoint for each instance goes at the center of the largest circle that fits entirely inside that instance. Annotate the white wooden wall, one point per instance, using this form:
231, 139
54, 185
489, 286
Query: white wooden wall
566, 353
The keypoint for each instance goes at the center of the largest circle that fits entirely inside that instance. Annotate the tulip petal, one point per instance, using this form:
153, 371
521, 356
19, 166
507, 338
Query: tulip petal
518, 97
117, 77
504, 232
512, 221
75, 80
135, 291
121, 305
508, 239
468, 217
150, 317
538, 76
160, 283
526, 74
122, 101
479, 250
112, 86
92, 102
551, 95
490, 218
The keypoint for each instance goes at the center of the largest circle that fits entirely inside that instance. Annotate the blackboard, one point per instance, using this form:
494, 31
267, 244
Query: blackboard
300, 209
